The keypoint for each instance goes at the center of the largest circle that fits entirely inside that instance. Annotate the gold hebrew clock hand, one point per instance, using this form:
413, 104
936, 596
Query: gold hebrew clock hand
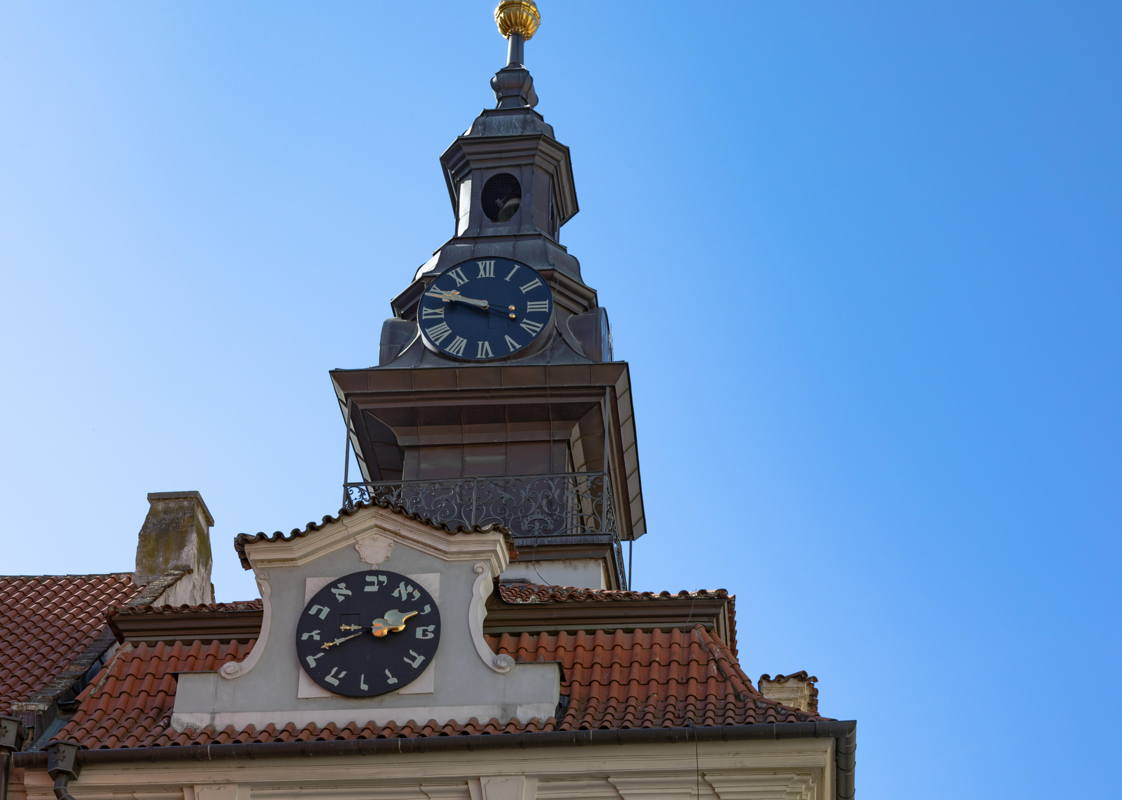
393, 622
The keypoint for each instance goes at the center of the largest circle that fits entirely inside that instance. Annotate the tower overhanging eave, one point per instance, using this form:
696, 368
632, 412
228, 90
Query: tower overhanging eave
387, 394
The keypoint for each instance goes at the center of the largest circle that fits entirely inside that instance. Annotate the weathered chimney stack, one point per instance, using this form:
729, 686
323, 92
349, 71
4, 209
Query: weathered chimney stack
796, 690
176, 535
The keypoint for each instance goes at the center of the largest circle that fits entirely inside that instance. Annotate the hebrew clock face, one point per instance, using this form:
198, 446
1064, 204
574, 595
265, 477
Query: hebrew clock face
368, 633
484, 309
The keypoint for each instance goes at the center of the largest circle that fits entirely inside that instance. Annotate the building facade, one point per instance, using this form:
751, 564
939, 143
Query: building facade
464, 627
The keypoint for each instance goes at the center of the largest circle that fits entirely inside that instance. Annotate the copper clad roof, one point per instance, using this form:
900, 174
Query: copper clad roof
57, 619
618, 679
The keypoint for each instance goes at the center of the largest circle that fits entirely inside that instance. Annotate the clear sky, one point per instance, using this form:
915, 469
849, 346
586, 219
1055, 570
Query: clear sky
882, 239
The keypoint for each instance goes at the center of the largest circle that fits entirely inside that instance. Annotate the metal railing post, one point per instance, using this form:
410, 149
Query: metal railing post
474, 500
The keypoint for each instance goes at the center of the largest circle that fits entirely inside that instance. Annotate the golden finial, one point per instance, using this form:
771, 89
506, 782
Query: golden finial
519, 17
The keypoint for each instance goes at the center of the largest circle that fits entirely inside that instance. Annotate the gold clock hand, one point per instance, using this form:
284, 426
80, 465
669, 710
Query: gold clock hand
393, 622
339, 641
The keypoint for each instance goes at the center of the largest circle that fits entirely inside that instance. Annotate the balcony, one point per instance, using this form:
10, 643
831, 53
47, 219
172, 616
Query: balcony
538, 509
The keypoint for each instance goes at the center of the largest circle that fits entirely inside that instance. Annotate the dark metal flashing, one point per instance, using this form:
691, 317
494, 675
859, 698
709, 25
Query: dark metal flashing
189, 623
598, 611
713, 612
843, 732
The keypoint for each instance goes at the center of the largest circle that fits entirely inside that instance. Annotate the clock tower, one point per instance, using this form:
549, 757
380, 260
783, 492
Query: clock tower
496, 398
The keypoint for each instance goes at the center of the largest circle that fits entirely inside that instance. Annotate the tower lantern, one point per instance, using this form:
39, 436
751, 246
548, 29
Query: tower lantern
496, 398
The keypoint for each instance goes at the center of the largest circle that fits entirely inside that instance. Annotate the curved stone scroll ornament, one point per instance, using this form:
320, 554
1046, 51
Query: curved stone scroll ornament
477, 610
235, 669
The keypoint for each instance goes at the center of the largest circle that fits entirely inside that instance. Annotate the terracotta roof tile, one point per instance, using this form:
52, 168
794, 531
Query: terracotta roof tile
243, 539
56, 617
610, 679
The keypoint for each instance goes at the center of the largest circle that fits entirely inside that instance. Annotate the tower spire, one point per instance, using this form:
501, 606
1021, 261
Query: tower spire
518, 21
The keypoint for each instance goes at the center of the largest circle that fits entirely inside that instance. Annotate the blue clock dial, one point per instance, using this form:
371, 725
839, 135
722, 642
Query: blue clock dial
484, 309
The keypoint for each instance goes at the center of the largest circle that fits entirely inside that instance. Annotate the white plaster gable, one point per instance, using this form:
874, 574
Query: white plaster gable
374, 532
465, 679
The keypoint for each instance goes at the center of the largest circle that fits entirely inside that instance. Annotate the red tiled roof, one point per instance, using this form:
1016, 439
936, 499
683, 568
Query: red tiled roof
618, 679
48, 623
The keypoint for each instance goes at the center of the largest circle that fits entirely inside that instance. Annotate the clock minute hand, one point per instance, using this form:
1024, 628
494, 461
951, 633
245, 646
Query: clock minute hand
340, 640
456, 297
470, 301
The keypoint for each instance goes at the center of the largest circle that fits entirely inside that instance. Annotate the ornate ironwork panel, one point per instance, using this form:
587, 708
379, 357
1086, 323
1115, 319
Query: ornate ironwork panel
561, 504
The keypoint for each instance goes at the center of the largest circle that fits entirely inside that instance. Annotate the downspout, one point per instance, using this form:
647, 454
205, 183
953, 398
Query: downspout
62, 765
11, 731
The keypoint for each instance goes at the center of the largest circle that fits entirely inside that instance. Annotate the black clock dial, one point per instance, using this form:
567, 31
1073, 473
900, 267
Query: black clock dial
368, 633
484, 309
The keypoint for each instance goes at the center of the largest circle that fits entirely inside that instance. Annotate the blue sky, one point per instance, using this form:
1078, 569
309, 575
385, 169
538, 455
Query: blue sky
883, 237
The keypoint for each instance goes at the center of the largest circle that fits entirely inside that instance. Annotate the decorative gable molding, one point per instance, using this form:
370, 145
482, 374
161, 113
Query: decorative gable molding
373, 532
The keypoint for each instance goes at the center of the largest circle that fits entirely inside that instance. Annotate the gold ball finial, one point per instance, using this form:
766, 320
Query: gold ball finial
518, 17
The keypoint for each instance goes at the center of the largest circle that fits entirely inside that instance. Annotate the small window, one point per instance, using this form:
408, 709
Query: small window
502, 196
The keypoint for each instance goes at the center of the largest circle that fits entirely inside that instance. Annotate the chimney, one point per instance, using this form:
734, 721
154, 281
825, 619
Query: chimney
176, 536
796, 690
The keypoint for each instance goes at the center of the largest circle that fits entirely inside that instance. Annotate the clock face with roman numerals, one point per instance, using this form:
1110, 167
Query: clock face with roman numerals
368, 633
484, 309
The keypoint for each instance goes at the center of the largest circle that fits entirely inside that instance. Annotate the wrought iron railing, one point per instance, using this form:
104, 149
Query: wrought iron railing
538, 506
